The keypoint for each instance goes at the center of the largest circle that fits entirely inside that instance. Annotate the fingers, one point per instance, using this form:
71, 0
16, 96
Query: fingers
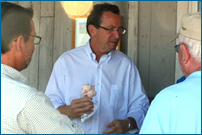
81, 106
109, 131
113, 123
79, 103
117, 127
82, 110
113, 129
82, 102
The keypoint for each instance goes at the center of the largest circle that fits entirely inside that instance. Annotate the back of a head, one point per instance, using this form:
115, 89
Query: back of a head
190, 33
15, 21
95, 16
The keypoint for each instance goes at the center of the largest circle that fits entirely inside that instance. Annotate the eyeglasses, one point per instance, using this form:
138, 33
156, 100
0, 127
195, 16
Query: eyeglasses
120, 30
37, 39
177, 48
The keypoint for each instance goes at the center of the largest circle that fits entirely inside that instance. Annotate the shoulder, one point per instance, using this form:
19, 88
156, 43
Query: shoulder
26, 91
73, 53
71, 56
16, 87
167, 92
120, 56
166, 95
172, 93
40, 99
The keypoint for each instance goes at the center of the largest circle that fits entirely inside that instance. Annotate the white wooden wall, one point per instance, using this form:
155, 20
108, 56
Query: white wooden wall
156, 54
55, 28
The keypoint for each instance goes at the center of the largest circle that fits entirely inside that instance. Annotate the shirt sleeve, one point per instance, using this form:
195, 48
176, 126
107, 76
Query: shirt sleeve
55, 87
138, 100
40, 117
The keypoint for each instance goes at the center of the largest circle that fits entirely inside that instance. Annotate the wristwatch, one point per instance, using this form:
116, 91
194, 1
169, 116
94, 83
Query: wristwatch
130, 124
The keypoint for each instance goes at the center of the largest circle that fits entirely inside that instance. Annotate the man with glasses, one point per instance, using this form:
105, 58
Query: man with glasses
177, 108
121, 100
24, 110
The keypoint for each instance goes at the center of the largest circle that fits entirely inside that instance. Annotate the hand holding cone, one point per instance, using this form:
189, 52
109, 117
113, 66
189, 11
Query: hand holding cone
88, 91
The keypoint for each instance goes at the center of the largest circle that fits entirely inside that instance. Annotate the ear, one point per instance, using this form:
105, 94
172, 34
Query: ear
185, 54
92, 30
19, 43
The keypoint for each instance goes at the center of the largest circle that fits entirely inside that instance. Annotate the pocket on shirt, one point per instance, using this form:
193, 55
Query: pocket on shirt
116, 95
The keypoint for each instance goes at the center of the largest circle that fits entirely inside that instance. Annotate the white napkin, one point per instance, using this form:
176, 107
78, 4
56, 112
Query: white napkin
85, 116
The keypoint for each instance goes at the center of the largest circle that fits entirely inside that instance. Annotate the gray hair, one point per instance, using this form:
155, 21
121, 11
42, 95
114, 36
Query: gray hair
194, 46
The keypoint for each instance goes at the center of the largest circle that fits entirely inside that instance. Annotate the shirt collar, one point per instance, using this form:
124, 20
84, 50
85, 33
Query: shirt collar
12, 73
89, 50
194, 75
92, 56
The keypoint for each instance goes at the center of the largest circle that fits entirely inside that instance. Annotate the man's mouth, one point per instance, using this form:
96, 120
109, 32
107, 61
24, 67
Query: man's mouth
114, 42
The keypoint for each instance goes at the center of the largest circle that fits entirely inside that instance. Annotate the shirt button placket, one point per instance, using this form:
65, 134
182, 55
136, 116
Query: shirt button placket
96, 116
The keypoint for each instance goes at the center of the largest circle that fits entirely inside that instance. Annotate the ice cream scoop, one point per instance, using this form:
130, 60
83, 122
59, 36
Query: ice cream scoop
88, 90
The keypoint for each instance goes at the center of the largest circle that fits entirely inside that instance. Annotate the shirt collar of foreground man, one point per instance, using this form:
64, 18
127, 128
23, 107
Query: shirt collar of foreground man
177, 108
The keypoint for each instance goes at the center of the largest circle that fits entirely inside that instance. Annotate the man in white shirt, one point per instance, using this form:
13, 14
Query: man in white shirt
177, 108
121, 99
24, 110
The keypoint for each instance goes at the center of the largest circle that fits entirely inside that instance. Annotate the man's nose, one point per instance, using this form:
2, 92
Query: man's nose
117, 34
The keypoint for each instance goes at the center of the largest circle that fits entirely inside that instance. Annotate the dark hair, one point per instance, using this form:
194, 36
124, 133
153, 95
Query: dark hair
15, 21
95, 17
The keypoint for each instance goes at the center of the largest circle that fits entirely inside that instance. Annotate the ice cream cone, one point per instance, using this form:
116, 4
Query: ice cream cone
88, 91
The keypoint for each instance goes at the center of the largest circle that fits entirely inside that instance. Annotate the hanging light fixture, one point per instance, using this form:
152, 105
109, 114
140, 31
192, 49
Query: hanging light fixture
77, 8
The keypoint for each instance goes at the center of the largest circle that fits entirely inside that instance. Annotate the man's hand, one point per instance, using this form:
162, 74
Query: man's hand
118, 127
77, 108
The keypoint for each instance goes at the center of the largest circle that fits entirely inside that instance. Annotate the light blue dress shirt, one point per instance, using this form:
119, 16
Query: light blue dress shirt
120, 93
176, 109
